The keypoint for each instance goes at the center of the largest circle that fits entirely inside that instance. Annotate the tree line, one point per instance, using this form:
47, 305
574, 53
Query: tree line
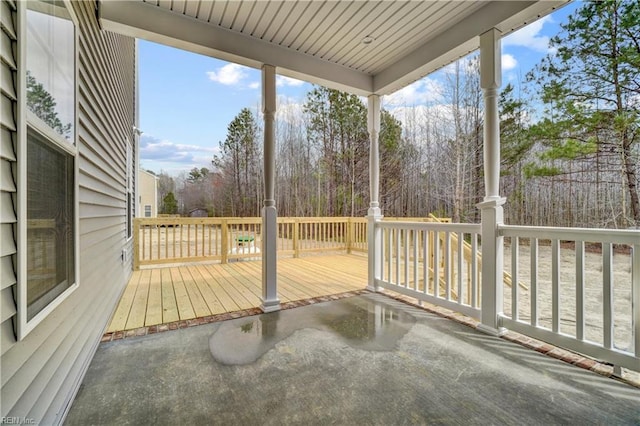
569, 143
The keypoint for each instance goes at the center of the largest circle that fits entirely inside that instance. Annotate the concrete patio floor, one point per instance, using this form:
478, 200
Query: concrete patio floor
361, 360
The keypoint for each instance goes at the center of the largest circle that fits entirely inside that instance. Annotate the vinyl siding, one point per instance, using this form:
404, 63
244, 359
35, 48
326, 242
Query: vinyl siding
148, 192
8, 219
42, 372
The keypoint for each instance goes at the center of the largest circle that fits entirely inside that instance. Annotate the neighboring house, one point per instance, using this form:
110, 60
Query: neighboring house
66, 196
148, 194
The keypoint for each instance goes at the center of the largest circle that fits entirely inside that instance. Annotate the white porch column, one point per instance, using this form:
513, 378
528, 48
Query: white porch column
491, 207
374, 236
270, 301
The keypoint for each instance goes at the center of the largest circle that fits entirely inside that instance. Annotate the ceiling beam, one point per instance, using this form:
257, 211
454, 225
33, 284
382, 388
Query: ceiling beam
459, 40
149, 22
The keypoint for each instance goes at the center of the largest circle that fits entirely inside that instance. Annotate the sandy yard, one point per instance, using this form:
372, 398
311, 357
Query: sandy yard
593, 292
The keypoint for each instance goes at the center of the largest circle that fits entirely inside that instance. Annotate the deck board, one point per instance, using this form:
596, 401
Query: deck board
139, 305
169, 301
183, 302
119, 320
228, 286
164, 295
210, 298
154, 300
197, 301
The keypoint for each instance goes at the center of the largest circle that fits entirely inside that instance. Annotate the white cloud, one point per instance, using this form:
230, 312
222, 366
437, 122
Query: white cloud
281, 80
289, 110
508, 62
234, 74
229, 74
422, 91
530, 36
162, 150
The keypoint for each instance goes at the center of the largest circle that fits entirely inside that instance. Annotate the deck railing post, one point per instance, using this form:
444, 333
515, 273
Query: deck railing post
296, 238
136, 244
349, 236
491, 208
374, 215
224, 241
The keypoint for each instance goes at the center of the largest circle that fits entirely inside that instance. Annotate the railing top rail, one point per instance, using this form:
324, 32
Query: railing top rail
432, 226
614, 236
252, 219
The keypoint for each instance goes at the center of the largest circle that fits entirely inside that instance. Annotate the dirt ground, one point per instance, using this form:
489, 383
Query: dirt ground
593, 292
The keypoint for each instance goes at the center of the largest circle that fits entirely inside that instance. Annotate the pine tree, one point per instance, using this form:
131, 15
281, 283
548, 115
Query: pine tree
42, 104
590, 88
240, 165
169, 204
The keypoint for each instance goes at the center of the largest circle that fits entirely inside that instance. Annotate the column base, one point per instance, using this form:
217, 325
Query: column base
374, 249
497, 332
270, 306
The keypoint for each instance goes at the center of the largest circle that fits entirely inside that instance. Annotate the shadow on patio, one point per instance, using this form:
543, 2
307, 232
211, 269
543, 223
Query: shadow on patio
367, 359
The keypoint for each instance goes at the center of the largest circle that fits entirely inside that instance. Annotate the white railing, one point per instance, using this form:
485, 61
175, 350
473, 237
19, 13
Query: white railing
433, 262
586, 300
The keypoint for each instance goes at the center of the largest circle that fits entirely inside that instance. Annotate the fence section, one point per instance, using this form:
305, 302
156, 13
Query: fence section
176, 240
593, 310
433, 262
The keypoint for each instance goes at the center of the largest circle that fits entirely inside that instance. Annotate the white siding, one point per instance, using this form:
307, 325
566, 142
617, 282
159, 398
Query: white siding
148, 193
8, 219
41, 373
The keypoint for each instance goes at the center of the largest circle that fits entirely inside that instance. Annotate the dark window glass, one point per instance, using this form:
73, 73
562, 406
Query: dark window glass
50, 222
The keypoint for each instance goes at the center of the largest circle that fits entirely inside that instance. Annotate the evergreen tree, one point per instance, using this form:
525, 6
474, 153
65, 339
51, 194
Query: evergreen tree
515, 147
337, 127
169, 204
590, 89
42, 104
240, 164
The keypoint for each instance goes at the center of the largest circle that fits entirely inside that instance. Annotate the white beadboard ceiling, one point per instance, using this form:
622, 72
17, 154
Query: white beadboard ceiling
322, 41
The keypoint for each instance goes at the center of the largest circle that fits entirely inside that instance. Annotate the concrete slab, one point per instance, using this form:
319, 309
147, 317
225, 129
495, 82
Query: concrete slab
362, 360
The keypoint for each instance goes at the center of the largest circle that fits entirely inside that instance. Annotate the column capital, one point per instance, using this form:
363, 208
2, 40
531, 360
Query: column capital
268, 89
491, 59
373, 114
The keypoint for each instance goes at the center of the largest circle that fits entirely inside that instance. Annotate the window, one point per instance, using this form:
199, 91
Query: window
50, 257
147, 210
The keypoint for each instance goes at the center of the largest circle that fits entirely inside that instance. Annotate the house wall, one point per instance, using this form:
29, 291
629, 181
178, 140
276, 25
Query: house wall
148, 190
42, 372
8, 173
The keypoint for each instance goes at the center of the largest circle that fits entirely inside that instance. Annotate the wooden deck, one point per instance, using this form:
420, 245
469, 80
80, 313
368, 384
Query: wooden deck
164, 295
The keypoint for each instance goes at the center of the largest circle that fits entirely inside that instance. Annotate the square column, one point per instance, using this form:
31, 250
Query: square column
374, 235
270, 301
491, 207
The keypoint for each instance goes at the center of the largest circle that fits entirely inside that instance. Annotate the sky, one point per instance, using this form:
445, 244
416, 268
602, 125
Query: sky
188, 100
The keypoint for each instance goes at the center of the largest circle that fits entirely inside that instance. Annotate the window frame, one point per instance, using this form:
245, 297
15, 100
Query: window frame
130, 199
27, 119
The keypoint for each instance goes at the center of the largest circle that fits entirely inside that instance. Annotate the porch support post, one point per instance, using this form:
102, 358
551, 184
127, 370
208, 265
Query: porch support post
374, 235
491, 207
270, 301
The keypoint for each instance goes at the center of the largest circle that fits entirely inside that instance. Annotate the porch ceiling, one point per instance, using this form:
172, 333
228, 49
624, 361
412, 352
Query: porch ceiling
322, 41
